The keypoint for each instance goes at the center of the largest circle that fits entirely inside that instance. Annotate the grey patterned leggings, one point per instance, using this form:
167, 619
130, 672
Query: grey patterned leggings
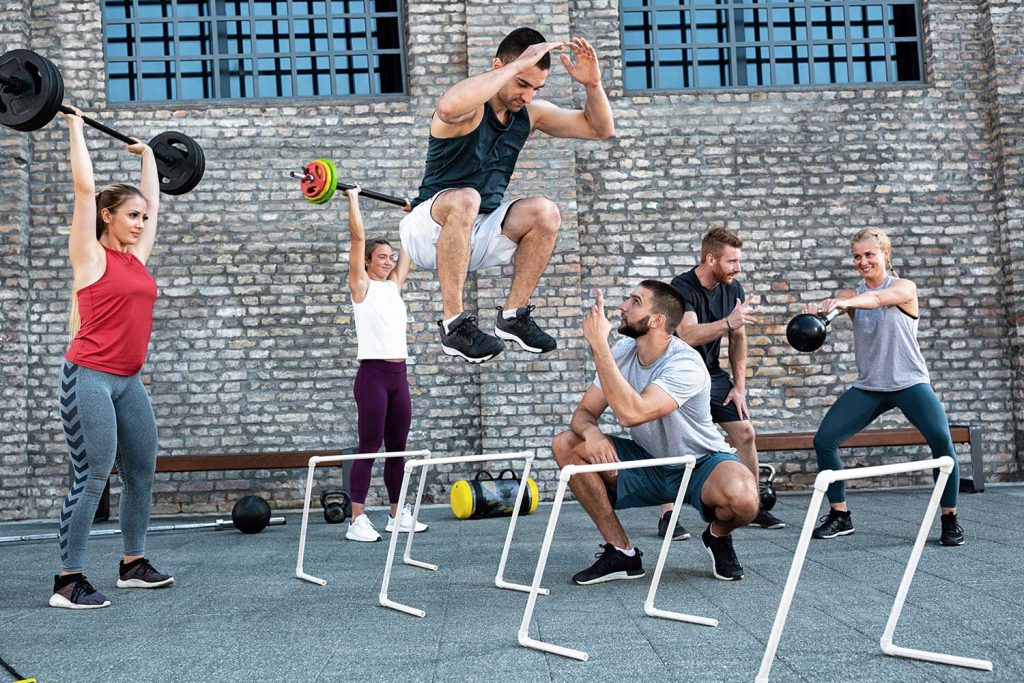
106, 418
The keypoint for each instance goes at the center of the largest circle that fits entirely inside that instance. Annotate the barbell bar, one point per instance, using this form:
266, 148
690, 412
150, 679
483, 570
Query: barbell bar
32, 93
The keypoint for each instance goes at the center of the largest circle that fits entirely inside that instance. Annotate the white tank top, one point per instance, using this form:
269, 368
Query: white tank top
381, 321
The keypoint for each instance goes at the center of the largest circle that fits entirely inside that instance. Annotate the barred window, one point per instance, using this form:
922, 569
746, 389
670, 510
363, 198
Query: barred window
684, 44
160, 50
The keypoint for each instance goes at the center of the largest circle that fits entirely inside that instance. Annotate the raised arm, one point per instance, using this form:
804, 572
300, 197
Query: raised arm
84, 250
630, 407
358, 280
401, 270
695, 334
463, 102
149, 186
595, 120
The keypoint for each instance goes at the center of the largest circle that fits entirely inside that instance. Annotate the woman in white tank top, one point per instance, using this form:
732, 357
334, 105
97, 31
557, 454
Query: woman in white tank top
891, 373
381, 388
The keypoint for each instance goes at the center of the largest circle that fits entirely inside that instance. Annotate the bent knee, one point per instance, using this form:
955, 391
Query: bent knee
563, 446
462, 203
544, 213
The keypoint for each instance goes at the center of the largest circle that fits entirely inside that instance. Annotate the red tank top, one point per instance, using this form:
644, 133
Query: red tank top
117, 317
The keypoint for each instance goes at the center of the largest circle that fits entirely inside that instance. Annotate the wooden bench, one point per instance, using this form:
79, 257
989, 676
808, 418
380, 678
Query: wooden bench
230, 461
804, 441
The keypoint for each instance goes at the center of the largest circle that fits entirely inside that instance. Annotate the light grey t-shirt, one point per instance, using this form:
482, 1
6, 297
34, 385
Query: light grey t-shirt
681, 373
885, 344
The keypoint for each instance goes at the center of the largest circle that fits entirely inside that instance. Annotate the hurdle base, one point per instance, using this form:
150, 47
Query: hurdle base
527, 641
937, 657
520, 587
308, 577
388, 602
652, 611
422, 565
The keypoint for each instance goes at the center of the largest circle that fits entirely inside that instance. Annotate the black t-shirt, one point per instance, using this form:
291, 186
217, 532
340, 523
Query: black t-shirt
710, 305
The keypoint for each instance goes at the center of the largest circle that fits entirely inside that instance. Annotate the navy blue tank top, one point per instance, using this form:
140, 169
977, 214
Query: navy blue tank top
483, 159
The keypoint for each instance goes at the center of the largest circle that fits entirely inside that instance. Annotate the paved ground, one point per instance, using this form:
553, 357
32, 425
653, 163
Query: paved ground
238, 614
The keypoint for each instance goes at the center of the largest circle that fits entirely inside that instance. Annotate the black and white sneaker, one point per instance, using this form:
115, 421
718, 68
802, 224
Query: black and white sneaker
767, 520
73, 591
467, 341
611, 565
141, 574
678, 534
835, 523
952, 532
724, 563
524, 331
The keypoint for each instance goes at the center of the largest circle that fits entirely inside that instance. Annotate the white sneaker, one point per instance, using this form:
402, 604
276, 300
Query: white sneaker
406, 522
361, 529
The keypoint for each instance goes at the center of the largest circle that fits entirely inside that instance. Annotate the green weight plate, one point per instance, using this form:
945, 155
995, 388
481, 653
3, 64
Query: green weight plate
333, 185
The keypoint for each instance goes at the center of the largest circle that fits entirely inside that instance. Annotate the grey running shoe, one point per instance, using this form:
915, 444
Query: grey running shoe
467, 341
524, 331
75, 592
141, 574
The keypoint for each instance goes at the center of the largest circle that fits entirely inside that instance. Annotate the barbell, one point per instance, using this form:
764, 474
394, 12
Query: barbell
32, 93
318, 181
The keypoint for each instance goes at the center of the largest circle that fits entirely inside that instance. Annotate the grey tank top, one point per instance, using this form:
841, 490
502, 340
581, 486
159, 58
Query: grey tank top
885, 342
483, 159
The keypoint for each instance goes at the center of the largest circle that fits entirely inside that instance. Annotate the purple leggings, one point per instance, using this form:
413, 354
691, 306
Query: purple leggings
385, 413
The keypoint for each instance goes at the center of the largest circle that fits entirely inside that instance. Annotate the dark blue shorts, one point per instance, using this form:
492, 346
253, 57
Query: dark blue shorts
647, 486
721, 385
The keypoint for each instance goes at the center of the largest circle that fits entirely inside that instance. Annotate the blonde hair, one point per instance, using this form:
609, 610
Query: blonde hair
884, 243
108, 198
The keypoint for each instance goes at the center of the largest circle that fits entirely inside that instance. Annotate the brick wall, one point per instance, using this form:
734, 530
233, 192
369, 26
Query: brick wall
253, 346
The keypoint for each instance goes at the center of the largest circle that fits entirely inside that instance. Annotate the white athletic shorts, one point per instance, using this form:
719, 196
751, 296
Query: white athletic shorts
487, 246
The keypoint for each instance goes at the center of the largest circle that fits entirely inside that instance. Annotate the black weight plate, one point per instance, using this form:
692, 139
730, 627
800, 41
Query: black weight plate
37, 103
179, 161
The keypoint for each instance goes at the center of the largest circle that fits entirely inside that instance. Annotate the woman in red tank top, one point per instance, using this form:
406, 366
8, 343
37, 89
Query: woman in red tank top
105, 410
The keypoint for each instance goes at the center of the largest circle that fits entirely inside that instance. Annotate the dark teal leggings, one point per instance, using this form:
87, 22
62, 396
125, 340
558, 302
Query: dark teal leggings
857, 408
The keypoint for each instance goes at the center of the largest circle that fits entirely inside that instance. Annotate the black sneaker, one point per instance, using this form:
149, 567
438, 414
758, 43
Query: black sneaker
611, 564
835, 523
467, 341
724, 564
74, 591
952, 532
680, 534
524, 331
141, 574
767, 520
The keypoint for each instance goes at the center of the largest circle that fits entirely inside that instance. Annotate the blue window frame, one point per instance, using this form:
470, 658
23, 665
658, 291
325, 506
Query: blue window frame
689, 44
161, 50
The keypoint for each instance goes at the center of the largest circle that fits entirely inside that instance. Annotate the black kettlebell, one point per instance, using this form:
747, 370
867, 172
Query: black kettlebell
766, 489
251, 514
807, 331
337, 505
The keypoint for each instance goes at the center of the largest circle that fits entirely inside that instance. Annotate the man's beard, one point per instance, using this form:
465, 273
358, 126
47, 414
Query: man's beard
637, 329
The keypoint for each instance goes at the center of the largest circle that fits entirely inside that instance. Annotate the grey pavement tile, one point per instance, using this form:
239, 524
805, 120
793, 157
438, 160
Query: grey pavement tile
238, 613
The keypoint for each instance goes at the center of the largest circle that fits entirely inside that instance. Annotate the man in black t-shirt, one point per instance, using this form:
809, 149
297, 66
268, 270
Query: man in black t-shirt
716, 305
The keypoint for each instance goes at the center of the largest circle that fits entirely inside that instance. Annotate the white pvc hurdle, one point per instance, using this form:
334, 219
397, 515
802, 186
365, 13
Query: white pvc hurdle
318, 460
563, 481
821, 484
499, 579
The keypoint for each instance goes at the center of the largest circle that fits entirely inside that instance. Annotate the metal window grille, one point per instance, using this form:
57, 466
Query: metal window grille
689, 44
160, 50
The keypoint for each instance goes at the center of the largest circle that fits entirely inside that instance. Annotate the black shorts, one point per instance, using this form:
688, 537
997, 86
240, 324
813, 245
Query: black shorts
721, 385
